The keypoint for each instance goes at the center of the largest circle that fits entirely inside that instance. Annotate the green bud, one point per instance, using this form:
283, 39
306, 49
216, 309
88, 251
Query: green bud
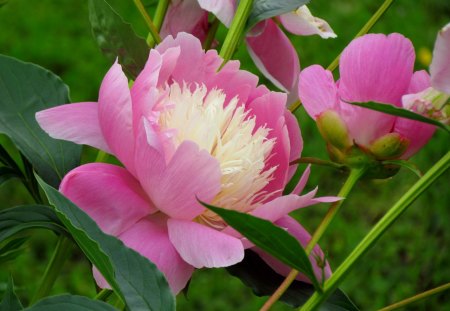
333, 129
389, 146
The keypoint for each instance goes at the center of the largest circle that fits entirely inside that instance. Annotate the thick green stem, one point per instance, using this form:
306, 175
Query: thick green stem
352, 179
103, 294
61, 253
160, 13
101, 156
377, 231
365, 29
236, 30
408, 301
151, 27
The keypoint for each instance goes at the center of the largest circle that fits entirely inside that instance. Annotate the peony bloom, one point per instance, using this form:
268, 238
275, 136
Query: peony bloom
433, 101
268, 46
183, 131
373, 68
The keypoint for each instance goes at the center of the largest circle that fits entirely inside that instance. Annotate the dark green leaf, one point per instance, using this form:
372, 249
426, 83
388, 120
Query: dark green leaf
400, 112
19, 218
26, 89
133, 277
10, 302
270, 238
265, 9
7, 160
11, 250
117, 38
70, 303
3, 2
406, 164
6, 173
257, 275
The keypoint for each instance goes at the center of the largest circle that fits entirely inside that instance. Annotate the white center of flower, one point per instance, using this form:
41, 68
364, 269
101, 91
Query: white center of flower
230, 136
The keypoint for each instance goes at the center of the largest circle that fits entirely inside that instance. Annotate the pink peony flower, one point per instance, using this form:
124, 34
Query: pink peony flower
376, 68
268, 46
184, 130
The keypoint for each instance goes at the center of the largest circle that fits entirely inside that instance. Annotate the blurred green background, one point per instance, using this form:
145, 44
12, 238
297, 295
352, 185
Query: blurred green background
411, 257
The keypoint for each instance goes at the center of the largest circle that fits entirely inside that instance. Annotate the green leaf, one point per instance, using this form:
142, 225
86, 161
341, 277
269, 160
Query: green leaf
3, 2
260, 277
10, 302
117, 38
12, 249
26, 89
270, 238
265, 9
400, 112
19, 218
6, 173
133, 277
6, 159
70, 303
406, 164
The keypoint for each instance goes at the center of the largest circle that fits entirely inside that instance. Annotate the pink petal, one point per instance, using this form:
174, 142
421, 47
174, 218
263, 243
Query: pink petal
222, 9
203, 246
419, 82
377, 68
302, 182
283, 205
115, 115
185, 16
295, 229
317, 90
108, 194
150, 238
269, 111
440, 65
174, 187
74, 122
275, 56
301, 22
295, 140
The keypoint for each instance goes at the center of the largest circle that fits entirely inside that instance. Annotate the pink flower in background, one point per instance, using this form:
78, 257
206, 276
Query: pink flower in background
268, 46
373, 68
184, 130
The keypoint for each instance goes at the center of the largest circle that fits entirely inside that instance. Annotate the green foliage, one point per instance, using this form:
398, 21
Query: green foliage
10, 301
11, 250
26, 89
70, 303
116, 38
265, 9
133, 277
270, 238
256, 274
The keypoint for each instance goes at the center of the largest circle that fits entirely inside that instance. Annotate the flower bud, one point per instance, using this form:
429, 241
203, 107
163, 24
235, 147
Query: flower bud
333, 129
389, 146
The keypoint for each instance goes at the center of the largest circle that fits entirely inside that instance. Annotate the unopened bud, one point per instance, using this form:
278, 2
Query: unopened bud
389, 146
333, 129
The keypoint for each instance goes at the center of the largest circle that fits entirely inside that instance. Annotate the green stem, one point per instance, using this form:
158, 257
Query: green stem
151, 27
416, 298
101, 156
316, 161
365, 29
160, 13
103, 294
236, 30
377, 231
352, 179
211, 34
61, 253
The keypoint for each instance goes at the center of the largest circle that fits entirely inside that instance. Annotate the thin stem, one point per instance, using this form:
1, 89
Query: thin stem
103, 294
160, 14
377, 231
152, 28
317, 161
365, 29
211, 33
101, 156
61, 253
416, 298
355, 175
236, 29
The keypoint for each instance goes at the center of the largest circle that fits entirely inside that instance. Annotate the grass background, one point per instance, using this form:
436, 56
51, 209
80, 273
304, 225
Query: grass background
410, 258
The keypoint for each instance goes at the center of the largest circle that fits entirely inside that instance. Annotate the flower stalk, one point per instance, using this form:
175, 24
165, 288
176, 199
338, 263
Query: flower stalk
151, 26
377, 231
352, 179
236, 30
61, 253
